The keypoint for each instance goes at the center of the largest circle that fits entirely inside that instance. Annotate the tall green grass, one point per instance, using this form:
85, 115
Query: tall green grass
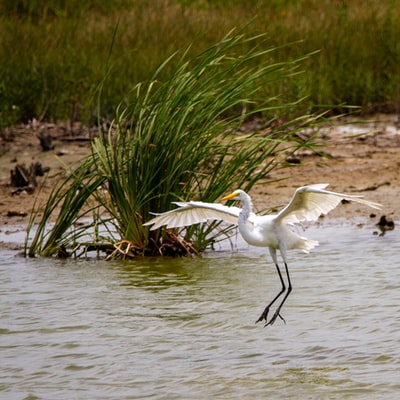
179, 139
53, 54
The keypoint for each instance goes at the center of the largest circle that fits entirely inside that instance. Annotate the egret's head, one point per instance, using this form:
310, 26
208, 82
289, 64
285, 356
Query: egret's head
236, 195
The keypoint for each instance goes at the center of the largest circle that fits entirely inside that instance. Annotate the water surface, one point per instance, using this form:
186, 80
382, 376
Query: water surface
167, 328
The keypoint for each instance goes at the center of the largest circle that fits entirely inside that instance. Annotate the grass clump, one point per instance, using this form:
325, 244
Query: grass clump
180, 139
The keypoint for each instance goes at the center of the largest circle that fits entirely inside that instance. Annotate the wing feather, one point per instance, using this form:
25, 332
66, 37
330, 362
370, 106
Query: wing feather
309, 202
194, 212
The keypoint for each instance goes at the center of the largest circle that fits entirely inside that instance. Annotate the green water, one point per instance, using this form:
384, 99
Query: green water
167, 328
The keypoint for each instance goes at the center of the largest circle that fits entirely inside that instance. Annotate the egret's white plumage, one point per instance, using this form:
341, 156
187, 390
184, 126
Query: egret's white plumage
272, 231
194, 212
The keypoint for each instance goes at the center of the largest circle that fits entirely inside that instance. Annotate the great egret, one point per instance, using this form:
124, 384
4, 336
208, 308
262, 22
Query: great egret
272, 231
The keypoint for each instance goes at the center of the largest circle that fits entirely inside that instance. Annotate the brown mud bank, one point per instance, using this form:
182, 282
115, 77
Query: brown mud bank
365, 160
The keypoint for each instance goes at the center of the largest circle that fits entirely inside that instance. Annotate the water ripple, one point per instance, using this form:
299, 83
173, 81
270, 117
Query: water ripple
185, 328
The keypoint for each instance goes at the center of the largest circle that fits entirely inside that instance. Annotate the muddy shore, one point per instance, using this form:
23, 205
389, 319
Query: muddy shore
365, 160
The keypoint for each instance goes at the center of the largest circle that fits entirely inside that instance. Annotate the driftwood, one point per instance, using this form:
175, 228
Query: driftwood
46, 141
24, 178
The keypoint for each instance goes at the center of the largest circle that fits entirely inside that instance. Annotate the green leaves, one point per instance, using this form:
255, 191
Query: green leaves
179, 140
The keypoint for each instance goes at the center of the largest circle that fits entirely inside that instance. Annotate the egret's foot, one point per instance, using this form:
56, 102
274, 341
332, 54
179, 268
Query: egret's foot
263, 316
273, 319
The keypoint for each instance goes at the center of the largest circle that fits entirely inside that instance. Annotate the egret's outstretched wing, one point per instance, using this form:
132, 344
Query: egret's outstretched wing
309, 202
194, 212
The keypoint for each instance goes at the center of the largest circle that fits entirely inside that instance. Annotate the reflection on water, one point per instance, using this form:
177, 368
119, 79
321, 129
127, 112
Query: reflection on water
184, 328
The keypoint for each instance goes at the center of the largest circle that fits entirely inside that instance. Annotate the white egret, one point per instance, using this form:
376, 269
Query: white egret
271, 231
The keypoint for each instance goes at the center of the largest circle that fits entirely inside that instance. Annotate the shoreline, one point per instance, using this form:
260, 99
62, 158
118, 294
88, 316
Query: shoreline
364, 160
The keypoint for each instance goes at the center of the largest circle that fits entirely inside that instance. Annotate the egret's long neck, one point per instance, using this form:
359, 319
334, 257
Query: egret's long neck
249, 234
247, 208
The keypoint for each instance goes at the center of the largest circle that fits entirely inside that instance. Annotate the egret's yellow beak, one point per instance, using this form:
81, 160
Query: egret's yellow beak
229, 196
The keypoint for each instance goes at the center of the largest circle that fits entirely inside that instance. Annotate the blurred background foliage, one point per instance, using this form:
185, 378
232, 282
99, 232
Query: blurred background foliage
56, 55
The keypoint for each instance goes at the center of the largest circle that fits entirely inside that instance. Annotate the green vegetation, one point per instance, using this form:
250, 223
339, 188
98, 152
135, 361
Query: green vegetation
179, 139
177, 112
55, 54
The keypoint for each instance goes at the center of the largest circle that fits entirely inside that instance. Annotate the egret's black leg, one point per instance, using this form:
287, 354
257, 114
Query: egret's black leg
277, 312
264, 315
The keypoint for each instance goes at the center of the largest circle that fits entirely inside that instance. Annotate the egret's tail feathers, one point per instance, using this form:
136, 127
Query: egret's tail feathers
307, 244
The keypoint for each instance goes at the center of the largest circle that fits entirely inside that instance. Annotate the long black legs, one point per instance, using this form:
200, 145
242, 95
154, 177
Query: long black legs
277, 314
264, 314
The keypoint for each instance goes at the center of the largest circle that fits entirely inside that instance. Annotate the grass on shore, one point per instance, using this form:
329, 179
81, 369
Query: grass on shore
179, 139
54, 55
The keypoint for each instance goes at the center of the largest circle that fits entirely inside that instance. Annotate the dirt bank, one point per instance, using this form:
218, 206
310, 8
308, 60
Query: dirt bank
365, 160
